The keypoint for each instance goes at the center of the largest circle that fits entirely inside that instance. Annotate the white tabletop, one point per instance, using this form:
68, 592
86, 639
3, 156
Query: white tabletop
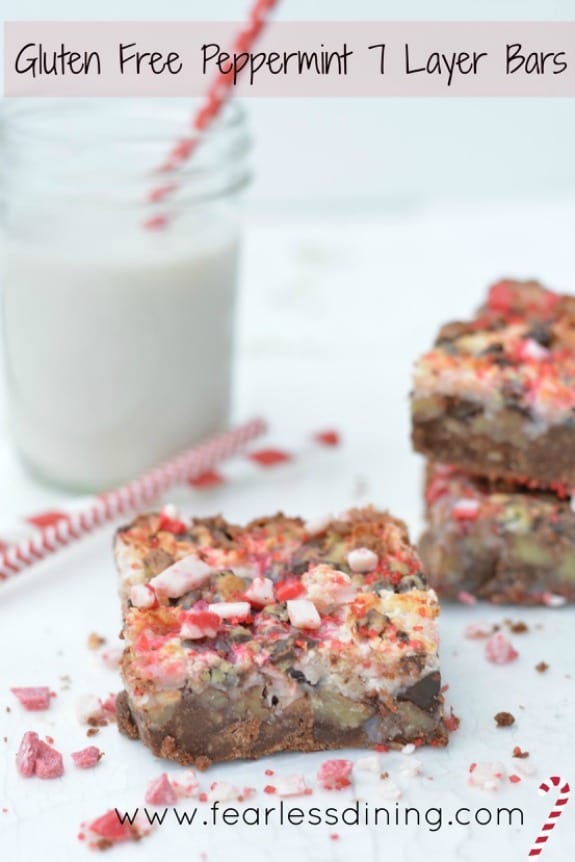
333, 314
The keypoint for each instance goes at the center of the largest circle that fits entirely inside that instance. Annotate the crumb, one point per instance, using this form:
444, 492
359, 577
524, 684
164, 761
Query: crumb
95, 641
542, 667
384, 775
8, 709
517, 752
504, 719
93, 731
518, 628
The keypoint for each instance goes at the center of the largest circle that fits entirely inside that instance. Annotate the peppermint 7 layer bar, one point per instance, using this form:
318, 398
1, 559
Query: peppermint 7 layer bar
496, 394
497, 540
281, 635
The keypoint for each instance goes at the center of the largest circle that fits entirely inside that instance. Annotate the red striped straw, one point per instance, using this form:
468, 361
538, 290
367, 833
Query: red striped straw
128, 498
211, 106
554, 814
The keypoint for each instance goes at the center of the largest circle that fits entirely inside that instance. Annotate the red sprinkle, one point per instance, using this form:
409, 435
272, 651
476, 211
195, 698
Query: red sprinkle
269, 788
87, 757
514, 779
328, 438
34, 698
269, 457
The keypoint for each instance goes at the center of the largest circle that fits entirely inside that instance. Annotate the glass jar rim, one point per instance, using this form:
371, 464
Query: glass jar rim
217, 167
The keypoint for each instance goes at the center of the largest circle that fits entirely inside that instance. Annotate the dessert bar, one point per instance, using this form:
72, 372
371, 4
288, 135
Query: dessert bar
496, 394
280, 635
497, 540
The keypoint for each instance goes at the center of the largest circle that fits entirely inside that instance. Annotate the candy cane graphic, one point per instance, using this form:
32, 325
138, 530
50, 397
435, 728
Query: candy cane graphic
554, 814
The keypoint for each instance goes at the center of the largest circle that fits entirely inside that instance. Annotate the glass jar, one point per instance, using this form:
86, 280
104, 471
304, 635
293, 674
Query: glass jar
118, 337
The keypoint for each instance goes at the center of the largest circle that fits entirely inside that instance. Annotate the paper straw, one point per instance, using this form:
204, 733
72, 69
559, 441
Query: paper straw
210, 108
128, 498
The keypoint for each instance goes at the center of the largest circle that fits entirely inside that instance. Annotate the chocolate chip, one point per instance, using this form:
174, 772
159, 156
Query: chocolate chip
425, 694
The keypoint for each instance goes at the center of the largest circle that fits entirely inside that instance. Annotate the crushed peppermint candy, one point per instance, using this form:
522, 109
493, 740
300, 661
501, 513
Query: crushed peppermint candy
260, 592
199, 624
466, 509
362, 560
500, 650
303, 614
551, 600
230, 610
486, 776
143, 596
371, 763
87, 757
185, 783
33, 698
466, 598
108, 830
49, 762
335, 774
27, 754
187, 574
160, 791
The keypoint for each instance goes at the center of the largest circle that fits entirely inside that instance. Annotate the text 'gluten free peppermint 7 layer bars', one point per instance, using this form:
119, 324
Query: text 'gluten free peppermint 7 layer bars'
280, 635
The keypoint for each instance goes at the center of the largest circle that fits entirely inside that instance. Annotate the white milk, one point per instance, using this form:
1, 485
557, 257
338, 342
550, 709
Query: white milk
117, 360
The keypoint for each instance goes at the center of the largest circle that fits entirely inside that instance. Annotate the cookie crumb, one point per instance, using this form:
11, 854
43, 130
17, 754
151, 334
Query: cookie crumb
542, 667
95, 641
517, 752
504, 719
518, 627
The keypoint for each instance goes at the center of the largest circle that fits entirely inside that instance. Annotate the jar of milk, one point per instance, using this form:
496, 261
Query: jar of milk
118, 338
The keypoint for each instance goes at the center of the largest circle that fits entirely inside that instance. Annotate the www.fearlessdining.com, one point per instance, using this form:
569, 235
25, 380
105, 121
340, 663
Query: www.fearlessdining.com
356, 814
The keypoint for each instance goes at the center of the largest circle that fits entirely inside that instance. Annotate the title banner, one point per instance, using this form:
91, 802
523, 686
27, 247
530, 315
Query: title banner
291, 59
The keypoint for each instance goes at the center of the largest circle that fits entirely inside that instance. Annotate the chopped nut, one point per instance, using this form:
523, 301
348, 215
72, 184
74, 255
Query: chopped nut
542, 667
504, 719
95, 641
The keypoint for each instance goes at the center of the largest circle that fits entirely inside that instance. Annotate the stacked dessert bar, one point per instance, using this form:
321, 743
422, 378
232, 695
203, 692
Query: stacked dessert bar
280, 635
493, 409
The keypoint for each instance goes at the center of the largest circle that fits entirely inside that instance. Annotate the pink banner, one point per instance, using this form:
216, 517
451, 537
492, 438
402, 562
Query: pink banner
292, 59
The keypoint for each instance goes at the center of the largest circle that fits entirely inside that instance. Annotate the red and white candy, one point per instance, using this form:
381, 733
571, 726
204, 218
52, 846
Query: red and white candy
34, 699
500, 650
362, 560
303, 614
199, 624
187, 574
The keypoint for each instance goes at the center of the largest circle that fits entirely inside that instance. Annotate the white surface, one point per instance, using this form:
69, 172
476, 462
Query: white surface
332, 318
